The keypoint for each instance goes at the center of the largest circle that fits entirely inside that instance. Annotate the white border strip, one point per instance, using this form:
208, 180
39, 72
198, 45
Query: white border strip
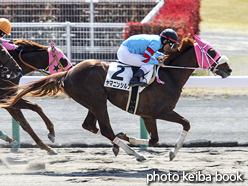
217, 81
194, 81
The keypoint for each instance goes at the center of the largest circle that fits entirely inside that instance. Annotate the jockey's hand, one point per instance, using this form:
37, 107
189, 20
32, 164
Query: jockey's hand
20, 47
160, 62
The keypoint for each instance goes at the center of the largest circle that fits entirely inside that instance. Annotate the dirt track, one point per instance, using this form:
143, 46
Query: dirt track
98, 166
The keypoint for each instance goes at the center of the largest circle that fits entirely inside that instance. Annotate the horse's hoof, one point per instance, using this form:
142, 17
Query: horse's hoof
52, 138
120, 135
141, 159
14, 143
116, 150
171, 155
52, 152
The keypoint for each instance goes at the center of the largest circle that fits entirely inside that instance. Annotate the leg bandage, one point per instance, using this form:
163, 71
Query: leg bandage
118, 142
126, 148
180, 141
99, 132
2, 135
136, 141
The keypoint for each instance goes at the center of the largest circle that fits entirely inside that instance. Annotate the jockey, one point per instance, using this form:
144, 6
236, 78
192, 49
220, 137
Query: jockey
11, 141
5, 28
142, 50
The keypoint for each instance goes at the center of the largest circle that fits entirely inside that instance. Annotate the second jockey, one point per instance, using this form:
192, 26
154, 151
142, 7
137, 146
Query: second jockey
5, 29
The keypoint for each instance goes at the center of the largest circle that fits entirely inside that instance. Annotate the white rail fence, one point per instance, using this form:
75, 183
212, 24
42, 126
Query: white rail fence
82, 29
194, 81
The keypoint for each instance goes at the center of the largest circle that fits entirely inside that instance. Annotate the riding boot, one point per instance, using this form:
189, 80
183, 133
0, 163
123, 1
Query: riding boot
135, 80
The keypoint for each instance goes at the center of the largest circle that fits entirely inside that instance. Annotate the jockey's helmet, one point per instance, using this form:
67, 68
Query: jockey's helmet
5, 26
170, 36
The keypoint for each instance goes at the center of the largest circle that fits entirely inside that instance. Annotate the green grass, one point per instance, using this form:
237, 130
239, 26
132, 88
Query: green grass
229, 16
226, 16
239, 64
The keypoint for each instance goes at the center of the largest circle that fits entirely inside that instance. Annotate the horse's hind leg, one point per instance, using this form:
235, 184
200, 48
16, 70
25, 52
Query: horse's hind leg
101, 114
18, 116
25, 104
151, 127
90, 123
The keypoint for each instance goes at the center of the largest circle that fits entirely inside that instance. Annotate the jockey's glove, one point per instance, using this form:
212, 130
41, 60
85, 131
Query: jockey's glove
20, 47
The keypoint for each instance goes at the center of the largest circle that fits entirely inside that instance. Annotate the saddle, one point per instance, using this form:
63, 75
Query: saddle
118, 77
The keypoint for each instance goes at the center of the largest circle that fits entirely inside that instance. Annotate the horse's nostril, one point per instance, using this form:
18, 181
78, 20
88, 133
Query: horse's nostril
229, 70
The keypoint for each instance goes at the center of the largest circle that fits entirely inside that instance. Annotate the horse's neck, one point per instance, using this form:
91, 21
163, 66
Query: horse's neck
38, 59
188, 59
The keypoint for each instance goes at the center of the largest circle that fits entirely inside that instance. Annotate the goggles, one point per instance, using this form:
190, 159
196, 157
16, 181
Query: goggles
171, 45
2, 34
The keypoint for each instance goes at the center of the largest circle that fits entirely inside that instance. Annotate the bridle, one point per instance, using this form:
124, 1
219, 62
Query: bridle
210, 67
3, 68
32, 67
41, 70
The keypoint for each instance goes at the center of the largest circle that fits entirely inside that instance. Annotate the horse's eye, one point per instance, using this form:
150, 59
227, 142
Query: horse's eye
64, 62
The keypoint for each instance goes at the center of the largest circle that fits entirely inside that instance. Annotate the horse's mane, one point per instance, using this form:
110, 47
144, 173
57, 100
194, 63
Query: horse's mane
186, 44
29, 45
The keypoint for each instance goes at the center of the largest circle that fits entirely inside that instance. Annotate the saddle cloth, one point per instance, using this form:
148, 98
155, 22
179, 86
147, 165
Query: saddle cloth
119, 75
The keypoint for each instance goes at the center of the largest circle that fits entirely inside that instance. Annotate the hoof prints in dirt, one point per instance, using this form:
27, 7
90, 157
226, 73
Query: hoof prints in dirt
36, 166
77, 180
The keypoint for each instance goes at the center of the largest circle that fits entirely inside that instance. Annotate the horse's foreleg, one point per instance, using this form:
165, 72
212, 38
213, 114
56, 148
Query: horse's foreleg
172, 116
178, 145
18, 116
25, 104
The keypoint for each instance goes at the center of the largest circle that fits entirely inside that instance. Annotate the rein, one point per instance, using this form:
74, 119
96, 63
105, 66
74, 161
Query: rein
34, 68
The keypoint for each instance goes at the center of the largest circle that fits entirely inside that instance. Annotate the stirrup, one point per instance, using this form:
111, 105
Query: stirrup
137, 83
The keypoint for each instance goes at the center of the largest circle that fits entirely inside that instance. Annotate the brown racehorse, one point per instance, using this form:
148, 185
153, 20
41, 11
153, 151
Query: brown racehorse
9, 69
85, 84
37, 56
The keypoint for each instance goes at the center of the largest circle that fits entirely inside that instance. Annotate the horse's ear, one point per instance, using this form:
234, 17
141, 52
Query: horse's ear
200, 42
53, 48
52, 44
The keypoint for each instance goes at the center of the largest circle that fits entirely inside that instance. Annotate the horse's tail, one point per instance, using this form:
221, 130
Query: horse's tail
48, 86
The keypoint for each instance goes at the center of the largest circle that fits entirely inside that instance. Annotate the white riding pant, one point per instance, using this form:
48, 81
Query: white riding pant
125, 56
